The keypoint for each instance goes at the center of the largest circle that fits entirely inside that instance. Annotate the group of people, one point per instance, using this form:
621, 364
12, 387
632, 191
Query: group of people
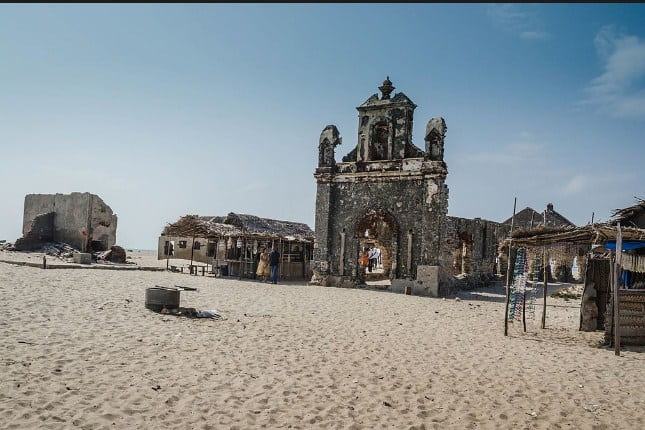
268, 263
370, 257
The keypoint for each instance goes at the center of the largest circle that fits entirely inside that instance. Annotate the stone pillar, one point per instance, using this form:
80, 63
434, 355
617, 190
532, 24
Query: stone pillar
321, 256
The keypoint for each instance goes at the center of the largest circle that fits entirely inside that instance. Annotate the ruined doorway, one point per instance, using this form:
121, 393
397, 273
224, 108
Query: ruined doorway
377, 230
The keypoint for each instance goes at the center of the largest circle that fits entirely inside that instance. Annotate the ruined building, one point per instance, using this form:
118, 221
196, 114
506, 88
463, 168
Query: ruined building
81, 220
392, 194
386, 190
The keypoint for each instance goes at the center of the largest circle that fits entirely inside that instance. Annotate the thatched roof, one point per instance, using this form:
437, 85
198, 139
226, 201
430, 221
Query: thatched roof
588, 234
238, 225
626, 215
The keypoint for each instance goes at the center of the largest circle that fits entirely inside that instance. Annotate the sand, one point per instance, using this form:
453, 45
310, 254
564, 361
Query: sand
79, 350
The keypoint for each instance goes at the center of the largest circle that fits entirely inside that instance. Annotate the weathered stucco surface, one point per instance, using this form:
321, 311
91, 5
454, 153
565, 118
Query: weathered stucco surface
74, 214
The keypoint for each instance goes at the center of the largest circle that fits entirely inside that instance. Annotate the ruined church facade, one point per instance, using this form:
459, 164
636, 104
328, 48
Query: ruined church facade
387, 192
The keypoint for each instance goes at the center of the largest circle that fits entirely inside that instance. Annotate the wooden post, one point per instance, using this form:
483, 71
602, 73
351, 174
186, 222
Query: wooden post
508, 269
279, 275
592, 214
192, 251
524, 309
544, 288
44, 261
240, 268
341, 263
619, 255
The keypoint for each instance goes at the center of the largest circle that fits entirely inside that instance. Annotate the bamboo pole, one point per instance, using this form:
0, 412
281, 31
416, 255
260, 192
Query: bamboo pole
279, 275
545, 287
612, 268
508, 269
241, 257
619, 255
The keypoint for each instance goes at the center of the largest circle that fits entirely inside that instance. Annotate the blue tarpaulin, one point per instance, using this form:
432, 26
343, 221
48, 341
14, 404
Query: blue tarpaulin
628, 245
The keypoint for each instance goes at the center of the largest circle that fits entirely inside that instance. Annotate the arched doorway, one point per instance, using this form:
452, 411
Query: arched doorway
377, 230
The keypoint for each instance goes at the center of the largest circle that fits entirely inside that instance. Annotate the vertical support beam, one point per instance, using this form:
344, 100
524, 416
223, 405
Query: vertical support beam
524, 310
279, 275
508, 269
544, 288
341, 263
619, 255
192, 250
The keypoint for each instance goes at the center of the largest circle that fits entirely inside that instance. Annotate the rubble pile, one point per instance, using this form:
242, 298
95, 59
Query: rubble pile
58, 249
473, 281
115, 254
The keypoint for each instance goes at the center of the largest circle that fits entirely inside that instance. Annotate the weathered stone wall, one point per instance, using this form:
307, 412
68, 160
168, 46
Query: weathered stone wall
472, 245
418, 206
74, 213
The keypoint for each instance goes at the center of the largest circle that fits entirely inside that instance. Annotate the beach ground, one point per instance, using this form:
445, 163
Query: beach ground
79, 349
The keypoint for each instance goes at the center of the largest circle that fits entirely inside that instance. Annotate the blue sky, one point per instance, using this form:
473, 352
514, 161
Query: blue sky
165, 109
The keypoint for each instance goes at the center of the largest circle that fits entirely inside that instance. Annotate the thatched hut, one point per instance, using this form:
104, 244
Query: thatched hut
231, 243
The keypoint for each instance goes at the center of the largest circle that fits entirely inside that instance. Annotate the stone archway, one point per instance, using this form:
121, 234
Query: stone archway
379, 228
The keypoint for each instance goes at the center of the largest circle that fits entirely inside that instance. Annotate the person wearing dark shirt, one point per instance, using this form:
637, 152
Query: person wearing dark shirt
274, 261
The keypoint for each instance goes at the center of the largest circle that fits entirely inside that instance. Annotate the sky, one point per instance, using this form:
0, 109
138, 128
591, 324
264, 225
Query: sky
165, 110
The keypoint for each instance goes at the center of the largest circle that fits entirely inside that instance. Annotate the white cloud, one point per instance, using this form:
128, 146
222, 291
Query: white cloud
618, 91
534, 35
520, 20
516, 152
575, 184
603, 185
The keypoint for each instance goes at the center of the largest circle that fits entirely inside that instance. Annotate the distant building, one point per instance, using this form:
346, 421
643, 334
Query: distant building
529, 218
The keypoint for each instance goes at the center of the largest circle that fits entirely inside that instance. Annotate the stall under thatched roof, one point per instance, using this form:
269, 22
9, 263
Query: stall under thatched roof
588, 234
238, 225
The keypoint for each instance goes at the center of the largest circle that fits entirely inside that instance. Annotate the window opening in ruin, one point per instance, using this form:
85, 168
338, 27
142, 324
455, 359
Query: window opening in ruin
182, 243
378, 146
210, 251
197, 245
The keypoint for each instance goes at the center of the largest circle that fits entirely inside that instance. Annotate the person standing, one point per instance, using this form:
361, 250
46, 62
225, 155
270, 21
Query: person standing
377, 258
274, 262
370, 259
263, 265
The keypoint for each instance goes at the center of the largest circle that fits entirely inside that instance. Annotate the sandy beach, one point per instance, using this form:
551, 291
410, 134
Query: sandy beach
79, 350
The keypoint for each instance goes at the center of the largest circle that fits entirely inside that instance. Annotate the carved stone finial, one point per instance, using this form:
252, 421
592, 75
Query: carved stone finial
386, 88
